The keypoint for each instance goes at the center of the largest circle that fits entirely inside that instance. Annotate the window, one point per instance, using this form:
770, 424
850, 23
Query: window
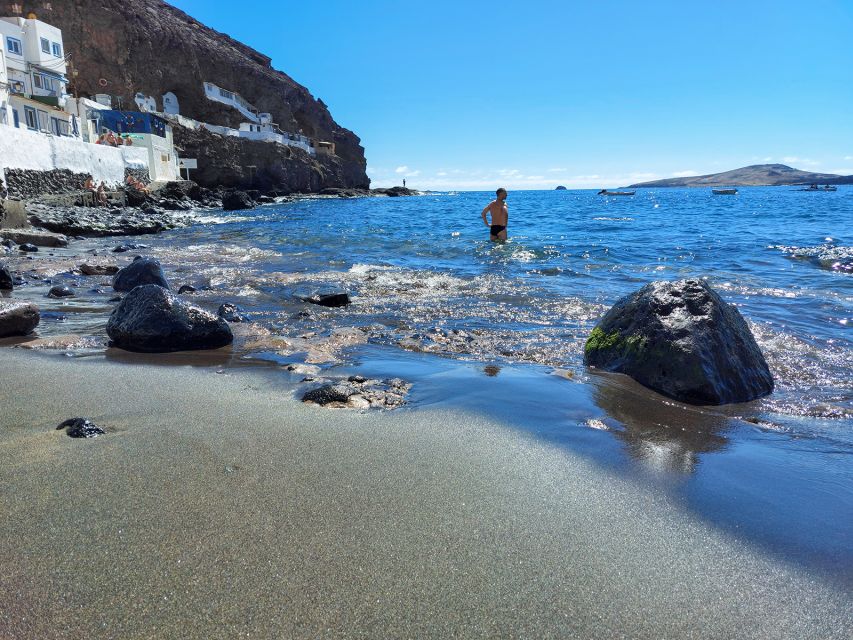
31, 118
45, 45
42, 82
57, 49
13, 45
44, 120
74, 127
16, 118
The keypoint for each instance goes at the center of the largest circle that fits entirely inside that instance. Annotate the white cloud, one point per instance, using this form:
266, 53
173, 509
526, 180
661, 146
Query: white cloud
685, 174
441, 174
803, 162
844, 171
848, 157
557, 170
403, 169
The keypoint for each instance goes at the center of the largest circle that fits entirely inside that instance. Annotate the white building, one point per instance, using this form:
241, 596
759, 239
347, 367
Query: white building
35, 70
232, 99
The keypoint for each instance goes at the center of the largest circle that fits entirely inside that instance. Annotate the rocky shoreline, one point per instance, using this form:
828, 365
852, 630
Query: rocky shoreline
172, 206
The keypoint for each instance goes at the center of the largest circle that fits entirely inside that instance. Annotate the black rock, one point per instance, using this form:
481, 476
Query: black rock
235, 200
682, 340
230, 313
326, 297
60, 291
122, 248
139, 272
7, 282
115, 299
265, 200
152, 319
28, 247
81, 428
17, 318
329, 393
186, 288
98, 269
560, 188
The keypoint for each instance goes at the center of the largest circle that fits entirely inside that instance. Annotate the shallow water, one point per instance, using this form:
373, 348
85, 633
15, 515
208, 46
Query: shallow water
426, 282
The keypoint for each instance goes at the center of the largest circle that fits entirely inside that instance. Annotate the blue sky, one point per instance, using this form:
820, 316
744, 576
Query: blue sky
473, 95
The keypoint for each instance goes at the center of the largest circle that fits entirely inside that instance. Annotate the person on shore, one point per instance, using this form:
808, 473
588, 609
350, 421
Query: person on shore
111, 139
127, 141
500, 216
102, 194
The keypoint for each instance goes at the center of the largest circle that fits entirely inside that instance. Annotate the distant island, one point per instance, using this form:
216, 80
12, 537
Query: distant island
766, 175
560, 188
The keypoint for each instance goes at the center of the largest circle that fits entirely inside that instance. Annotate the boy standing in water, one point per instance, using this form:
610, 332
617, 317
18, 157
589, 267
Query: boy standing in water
500, 215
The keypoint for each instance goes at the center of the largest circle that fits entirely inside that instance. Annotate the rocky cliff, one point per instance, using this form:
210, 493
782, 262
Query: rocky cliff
123, 47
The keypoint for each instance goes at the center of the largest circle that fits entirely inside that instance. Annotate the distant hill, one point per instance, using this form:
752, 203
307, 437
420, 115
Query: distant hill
755, 175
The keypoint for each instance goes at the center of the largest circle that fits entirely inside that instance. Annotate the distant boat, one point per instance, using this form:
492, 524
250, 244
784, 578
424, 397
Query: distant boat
605, 192
814, 187
724, 192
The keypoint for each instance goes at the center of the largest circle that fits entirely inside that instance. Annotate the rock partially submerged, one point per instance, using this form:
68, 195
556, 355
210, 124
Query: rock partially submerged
237, 200
81, 428
331, 297
60, 291
17, 318
230, 313
682, 340
153, 320
98, 269
140, 272
358, 392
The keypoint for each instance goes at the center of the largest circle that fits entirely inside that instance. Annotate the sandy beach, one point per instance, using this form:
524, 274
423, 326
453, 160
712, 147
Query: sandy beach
217, 505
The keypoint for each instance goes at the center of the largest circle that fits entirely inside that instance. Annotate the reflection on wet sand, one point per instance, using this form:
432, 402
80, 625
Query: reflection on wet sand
662, 434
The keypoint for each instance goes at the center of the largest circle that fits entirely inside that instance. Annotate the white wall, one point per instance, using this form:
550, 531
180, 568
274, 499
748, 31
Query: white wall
23, 149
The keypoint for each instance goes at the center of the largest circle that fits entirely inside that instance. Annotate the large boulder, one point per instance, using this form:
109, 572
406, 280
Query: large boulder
235, 200
152, 319
682, 340
140, 272
17, 318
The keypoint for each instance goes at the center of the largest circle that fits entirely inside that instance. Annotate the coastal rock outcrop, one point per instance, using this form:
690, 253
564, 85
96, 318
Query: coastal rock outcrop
682, 340
237, 200
153, 320
17, 318
126, 47
140, 272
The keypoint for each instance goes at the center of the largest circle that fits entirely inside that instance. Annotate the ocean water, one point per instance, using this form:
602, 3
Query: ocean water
483, 325
424, 276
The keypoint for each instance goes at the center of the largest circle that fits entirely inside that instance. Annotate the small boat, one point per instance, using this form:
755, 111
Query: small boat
814, 187
724, 192
605, 192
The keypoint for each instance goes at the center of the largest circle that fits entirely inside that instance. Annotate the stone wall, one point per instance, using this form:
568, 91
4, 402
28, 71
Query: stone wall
23, 184
21, 149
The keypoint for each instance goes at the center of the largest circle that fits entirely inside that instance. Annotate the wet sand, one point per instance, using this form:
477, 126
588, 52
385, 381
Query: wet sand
219, 506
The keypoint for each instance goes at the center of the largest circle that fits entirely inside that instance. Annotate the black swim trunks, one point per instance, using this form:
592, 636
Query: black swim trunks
497, 228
